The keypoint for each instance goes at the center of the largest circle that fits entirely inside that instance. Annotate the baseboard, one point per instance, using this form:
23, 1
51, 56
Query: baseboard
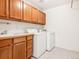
67, 49
50, 49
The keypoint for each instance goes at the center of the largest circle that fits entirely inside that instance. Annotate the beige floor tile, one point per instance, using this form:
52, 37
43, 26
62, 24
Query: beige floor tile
59, 53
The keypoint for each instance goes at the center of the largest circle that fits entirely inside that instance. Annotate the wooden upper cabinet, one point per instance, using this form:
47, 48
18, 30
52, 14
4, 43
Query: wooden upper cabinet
27, 12
3, 8
34, 15
21, 11
41, 18
6, 52
16, 9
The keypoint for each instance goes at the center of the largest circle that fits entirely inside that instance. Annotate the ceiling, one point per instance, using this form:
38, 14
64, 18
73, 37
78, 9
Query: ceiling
49, 3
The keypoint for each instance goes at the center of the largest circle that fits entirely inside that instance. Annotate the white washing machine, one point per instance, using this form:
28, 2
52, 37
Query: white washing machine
39, 44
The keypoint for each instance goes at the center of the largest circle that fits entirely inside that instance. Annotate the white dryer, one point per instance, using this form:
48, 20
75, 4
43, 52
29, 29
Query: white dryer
50, 41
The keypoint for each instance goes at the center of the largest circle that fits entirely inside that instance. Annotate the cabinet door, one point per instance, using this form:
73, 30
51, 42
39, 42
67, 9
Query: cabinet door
41, 18
6, 52
19, 51
16, 9
5, 42
3, 8
29, 46
34, 15
27, 13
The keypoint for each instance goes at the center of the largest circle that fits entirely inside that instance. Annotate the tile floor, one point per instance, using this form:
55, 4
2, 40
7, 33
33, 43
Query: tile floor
59, 53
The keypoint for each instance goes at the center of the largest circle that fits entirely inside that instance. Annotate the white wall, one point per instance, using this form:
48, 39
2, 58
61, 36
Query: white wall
64, 21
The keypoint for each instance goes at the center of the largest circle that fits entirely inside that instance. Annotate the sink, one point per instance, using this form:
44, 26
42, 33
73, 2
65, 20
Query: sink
13, 32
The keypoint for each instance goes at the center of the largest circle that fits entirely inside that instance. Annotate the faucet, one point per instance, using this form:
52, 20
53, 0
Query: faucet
4, 32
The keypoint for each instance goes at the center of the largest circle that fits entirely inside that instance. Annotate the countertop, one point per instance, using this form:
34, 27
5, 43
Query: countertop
8, 36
